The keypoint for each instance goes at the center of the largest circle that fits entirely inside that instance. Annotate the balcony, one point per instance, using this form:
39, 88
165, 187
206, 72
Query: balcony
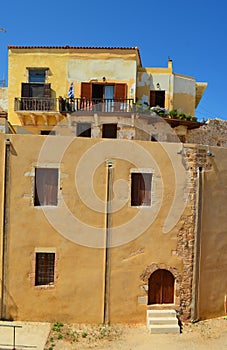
66, 105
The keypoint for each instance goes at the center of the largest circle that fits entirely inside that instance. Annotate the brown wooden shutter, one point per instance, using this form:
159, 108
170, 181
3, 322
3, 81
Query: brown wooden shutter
86, 90
46, 90
120, 91
153, 98
46, 186
146, 182
25, 90
141, 189
135, 189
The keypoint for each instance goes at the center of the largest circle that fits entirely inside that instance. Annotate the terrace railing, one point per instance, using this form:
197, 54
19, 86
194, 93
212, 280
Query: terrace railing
66, 105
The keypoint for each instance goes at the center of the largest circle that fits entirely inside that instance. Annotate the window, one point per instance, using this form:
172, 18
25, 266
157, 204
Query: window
44, 268
141, 189
47, 132
157, 98
46, 187
153, 138
109, 131
37, 75
83, 130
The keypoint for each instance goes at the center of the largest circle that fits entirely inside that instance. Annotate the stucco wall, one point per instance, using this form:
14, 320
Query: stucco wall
141, 238
66, 66
213, 282
3, 99
180, 90
184, 94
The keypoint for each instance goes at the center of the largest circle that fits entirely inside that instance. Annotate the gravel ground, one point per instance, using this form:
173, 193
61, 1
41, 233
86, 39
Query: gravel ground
209, 335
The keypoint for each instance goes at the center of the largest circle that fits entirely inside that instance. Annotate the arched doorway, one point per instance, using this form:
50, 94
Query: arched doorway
161, 287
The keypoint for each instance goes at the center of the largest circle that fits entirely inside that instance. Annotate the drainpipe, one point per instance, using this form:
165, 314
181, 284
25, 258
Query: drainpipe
5, 229
109, 165
197, 247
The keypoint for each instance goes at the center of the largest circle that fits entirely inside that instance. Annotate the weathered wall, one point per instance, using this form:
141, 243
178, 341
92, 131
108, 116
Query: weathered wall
180, 90
184, 94
213, 282
70, 65
3, 99
140, 245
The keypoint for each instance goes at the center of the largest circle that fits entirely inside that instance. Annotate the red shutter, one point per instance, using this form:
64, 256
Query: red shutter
120, 90
86, 90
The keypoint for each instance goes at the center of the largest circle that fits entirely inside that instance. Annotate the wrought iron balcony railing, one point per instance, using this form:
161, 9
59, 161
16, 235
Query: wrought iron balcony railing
66, 105
35, 104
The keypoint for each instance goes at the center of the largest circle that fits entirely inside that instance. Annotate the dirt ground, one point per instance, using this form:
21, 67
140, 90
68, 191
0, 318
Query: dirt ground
209, 335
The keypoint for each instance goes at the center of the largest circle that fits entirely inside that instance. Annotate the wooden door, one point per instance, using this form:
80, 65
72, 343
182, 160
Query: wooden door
161, 287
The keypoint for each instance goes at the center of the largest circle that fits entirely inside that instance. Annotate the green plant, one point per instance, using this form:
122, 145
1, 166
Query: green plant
182, 116
57, 326
173, 113
84, 334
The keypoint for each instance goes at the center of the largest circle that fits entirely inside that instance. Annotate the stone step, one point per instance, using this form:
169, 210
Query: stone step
162, 320
164, 329
161, 313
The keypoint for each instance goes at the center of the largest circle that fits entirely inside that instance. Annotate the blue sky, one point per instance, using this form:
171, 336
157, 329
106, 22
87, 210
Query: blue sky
192, 33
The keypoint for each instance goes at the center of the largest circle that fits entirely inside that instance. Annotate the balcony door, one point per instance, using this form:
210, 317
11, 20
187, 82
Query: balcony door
36, 93
108, 94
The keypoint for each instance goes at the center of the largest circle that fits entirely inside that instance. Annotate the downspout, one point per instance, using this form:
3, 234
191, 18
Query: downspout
106, 317
5, 229
197, 247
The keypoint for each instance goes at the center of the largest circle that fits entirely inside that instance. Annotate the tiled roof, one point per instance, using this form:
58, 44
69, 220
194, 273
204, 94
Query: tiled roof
77, 48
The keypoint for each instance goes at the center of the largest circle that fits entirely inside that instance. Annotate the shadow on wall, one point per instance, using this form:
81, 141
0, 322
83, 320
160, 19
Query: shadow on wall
9, 309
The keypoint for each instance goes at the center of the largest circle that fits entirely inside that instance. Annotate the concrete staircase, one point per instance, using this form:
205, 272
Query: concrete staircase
162, 321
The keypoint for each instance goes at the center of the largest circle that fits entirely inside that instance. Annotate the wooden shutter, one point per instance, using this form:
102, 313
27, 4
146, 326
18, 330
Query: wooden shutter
86, 90
153, 98
46, 90
25, 90
120, 91
146, 183
141, 189
46, 186
135, 189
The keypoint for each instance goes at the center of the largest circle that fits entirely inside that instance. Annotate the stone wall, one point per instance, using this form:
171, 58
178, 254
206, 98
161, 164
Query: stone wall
194, 159
213, 133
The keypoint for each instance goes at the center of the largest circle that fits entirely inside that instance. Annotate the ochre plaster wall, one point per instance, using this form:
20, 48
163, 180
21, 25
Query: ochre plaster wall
77, 295
70, 65
184, 94
213, 282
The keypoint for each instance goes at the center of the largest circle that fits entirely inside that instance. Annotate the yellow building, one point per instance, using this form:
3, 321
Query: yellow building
40, 79
98, 223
